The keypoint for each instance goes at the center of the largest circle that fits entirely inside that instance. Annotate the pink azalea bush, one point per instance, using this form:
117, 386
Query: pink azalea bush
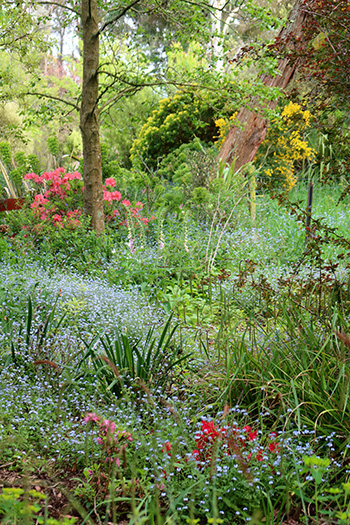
57, 192
59, 201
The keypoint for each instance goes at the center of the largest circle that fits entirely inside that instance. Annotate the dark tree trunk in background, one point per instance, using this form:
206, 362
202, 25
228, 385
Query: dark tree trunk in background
242, 144
89, 123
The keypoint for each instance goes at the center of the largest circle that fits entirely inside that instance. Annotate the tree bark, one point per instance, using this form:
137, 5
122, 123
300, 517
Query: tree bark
242, 143
89, 121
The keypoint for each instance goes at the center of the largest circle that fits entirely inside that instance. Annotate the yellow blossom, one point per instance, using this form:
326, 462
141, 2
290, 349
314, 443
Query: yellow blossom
285, 138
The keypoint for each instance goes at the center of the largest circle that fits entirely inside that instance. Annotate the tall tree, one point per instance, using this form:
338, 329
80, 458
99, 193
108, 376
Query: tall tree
243, 141
181, 18
89, 122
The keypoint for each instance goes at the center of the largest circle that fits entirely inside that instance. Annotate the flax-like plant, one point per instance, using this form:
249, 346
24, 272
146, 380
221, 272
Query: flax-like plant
123, 361
23, 340
9, 186
301, 369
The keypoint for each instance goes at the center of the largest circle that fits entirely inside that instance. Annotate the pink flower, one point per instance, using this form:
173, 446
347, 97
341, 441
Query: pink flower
110, 426
113, 460
40, 199
110, 182
208, 427
126, 202
259, 455
139, 205
91, 416
107, 196
33, 176
56, 218
74, 213
273, 447
196, 454
116, 195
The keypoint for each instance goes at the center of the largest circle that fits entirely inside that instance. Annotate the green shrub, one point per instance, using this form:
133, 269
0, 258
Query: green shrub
189, 169
53, 144
193, 179
19, 506
178, 120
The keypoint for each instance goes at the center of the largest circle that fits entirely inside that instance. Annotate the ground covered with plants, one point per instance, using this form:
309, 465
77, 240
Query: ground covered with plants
174, 328
180, 368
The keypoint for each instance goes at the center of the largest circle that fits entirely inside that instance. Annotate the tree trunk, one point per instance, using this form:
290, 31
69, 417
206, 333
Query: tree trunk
242, 143
89, 123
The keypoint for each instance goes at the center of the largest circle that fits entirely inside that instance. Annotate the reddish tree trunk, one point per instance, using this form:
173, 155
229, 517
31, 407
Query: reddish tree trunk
242, 143
89, 123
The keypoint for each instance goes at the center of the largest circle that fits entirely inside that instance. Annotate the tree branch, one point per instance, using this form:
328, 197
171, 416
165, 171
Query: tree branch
121, 94
117, 17
52, 97
43, 2
137, 86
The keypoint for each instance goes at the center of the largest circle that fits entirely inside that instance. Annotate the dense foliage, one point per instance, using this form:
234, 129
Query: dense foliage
190, 364
178, 120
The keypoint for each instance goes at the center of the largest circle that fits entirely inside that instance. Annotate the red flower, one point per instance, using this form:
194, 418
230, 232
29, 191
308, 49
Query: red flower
234, 440
251, 435
167, 447
259, 455
273, 447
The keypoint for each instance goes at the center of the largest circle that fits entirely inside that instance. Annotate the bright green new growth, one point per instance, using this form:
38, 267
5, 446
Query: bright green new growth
178, 120
18, 507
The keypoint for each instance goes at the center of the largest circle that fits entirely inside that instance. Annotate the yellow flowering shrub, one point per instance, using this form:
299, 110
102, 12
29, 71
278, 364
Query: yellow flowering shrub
284, 148
178, 120
224, 125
